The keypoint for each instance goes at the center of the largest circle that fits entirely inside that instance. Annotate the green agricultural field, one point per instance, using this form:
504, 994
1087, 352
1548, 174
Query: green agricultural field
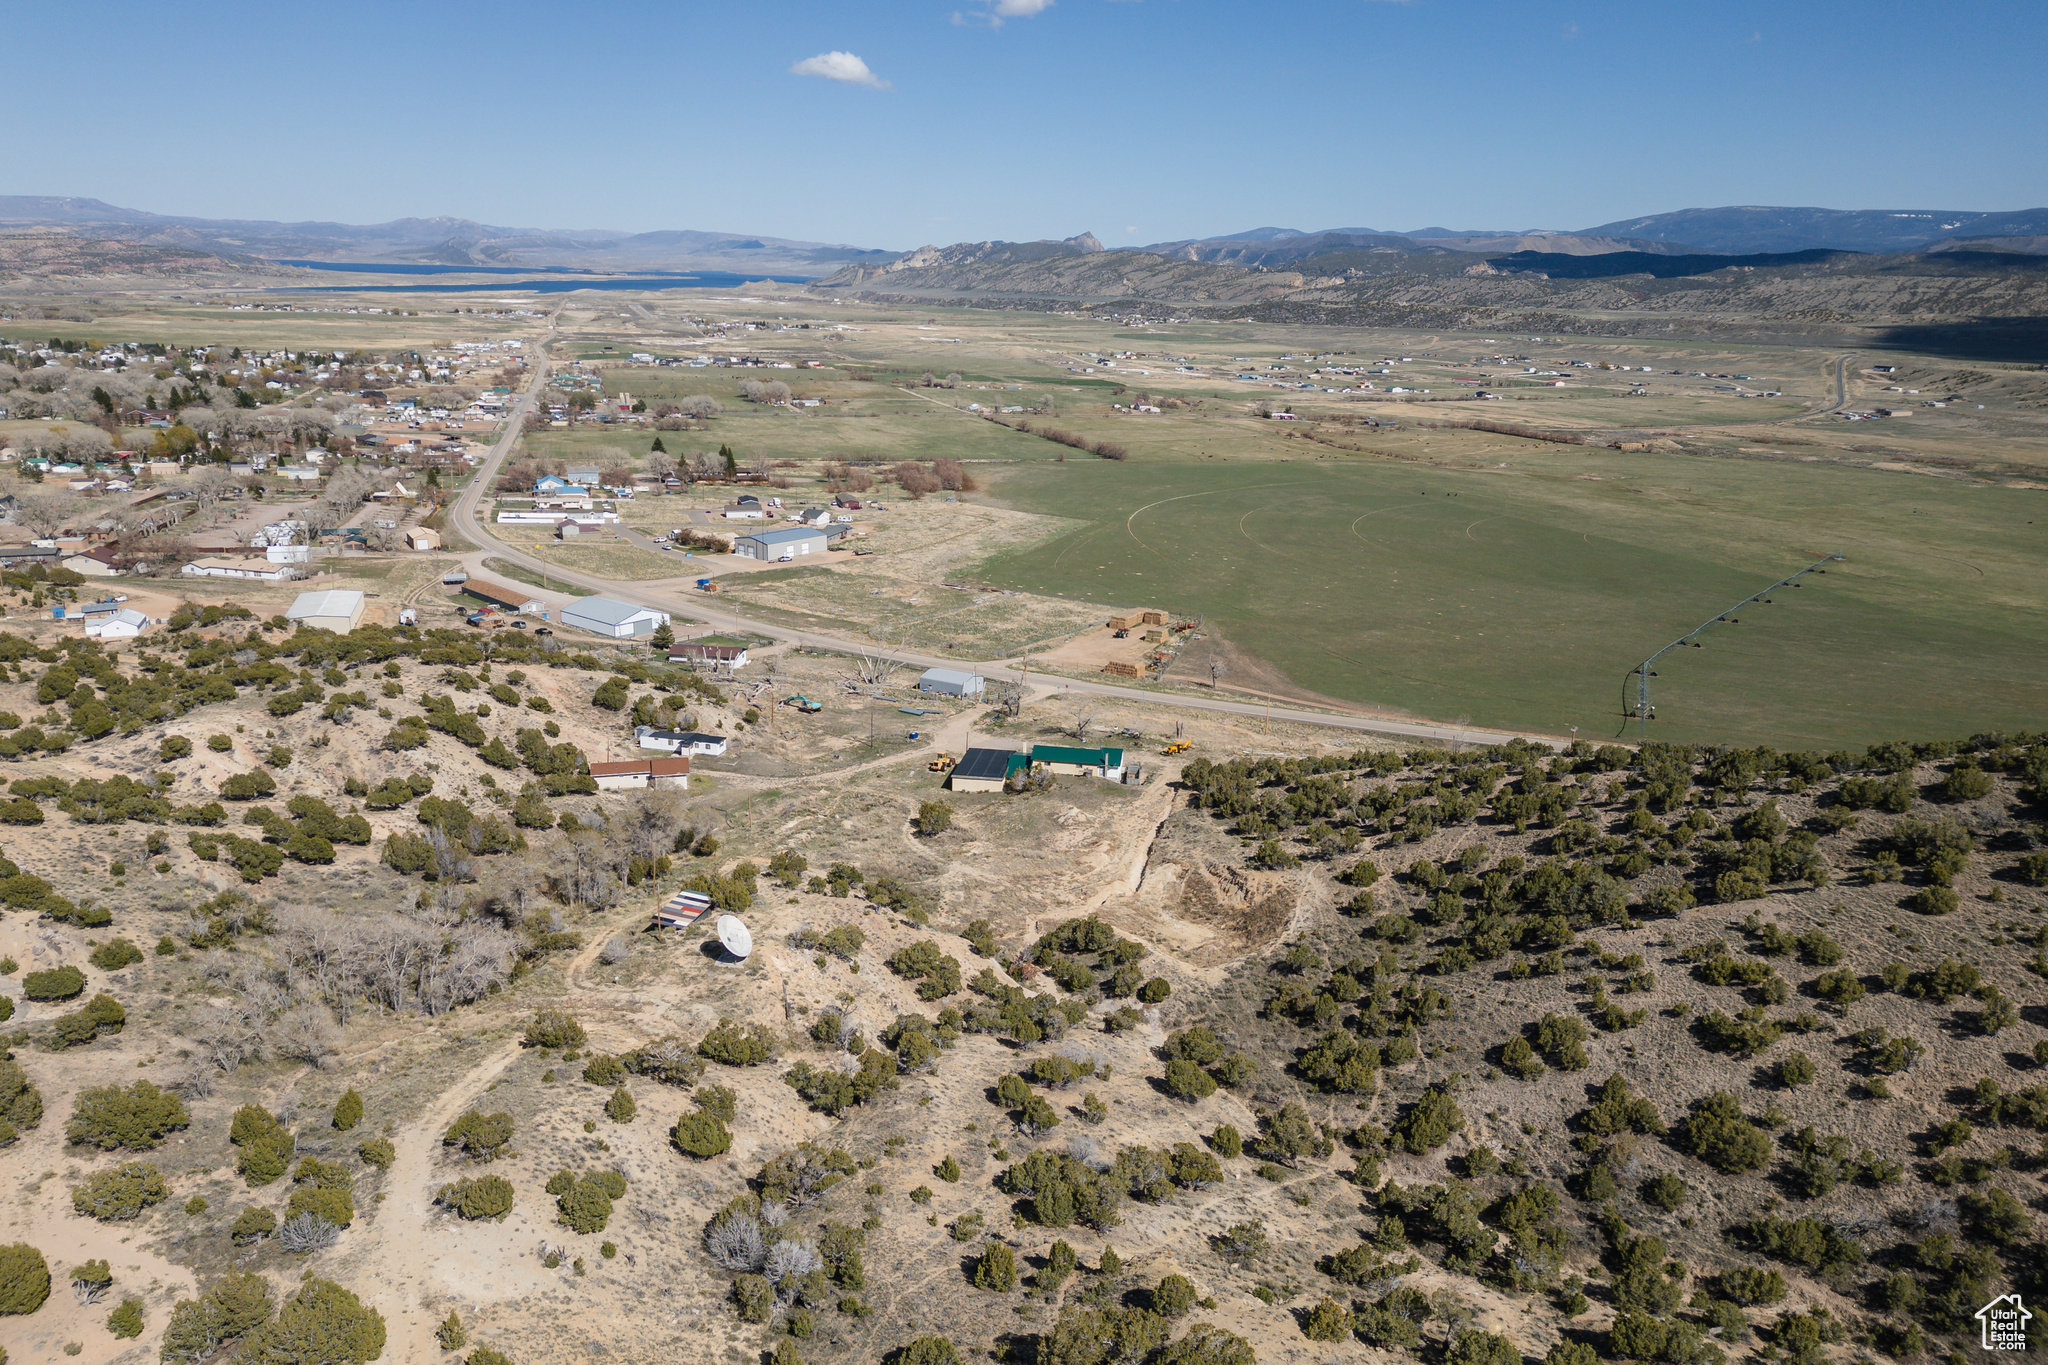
1519, 595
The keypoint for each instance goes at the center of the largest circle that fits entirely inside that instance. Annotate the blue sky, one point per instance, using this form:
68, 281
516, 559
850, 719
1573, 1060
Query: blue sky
1139, 120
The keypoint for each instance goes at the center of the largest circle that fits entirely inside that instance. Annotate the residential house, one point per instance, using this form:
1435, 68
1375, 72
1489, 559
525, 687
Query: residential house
641, 772
1108, 763
679, 741
421, 538
813, 516
692, 652
94, 563
125, 624
259, 569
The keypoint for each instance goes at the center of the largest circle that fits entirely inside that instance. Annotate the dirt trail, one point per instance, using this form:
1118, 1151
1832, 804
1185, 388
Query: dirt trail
403, 1263
398, 1253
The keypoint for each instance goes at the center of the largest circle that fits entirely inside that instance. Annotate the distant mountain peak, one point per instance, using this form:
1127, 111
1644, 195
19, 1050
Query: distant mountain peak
1261, 234
1087, 241
1743, 229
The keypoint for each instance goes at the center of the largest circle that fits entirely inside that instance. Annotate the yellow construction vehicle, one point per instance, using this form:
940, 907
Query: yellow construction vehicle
1179, 746
942, 764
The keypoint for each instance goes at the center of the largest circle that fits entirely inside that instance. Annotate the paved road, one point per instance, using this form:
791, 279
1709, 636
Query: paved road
680, 600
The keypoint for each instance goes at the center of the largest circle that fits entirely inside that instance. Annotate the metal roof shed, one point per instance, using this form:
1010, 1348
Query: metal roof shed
792, 541
619, 620
950, 682
512, 599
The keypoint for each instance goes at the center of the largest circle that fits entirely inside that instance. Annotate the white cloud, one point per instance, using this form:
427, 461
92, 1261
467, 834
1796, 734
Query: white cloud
843, 67
999, 10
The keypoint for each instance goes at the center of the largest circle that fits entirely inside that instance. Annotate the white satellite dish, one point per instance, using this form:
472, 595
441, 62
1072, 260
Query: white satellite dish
735, 937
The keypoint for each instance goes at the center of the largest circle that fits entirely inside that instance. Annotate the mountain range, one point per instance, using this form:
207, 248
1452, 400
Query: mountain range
1722, 231
461, 241
436, 241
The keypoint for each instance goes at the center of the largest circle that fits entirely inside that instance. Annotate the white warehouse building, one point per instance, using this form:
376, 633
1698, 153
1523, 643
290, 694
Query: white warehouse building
794, 541
620, 620
950, 682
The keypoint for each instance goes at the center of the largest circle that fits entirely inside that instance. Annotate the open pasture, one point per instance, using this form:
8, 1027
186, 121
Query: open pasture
402, 326
1518, 593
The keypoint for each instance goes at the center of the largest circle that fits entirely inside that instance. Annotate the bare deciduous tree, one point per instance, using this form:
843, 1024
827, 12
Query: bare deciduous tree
46, 513
307, 1033
736, 1241
210, 487
874, 668
1007, 697
789, 1261
224, 1036
477, 960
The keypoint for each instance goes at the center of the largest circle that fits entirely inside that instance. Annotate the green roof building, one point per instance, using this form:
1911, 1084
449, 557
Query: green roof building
1107, 763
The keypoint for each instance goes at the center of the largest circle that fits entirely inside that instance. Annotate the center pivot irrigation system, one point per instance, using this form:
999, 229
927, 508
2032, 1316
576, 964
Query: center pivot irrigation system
1638, 707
